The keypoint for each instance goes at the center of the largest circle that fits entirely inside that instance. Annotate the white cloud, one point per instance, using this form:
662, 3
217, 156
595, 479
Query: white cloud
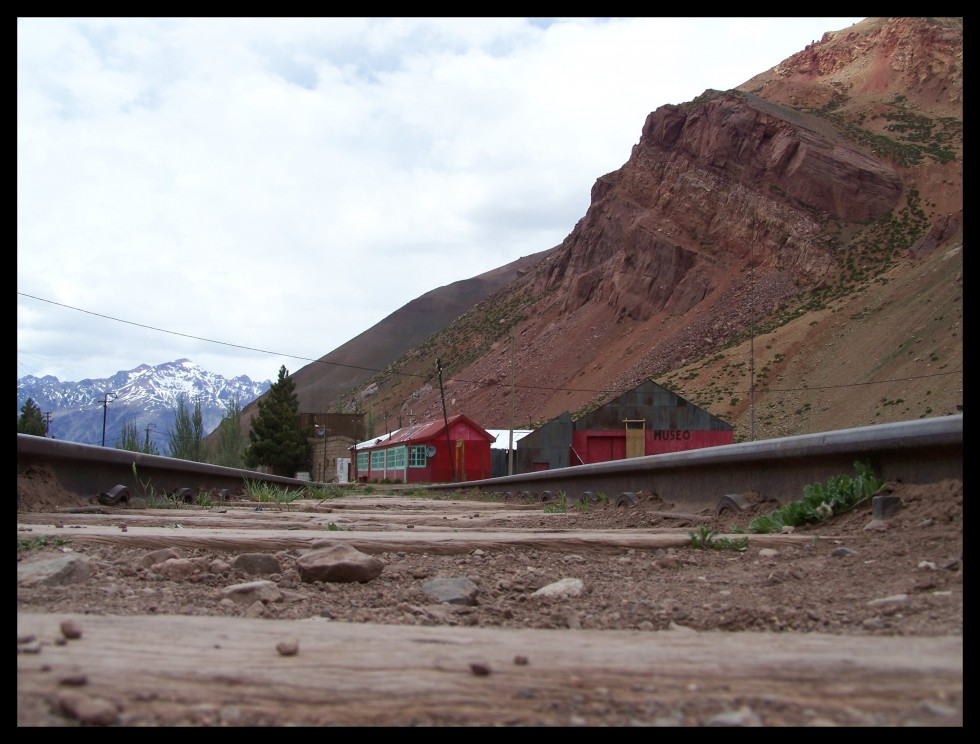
283, 184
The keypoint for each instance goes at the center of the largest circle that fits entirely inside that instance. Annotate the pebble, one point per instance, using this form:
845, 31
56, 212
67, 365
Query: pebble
71, 629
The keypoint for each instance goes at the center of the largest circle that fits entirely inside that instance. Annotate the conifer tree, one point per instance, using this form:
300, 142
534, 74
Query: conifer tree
275, 439
31, 420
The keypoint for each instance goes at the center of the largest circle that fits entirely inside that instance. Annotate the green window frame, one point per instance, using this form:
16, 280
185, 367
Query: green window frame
362, 462
416, 458
377, 459
396, 458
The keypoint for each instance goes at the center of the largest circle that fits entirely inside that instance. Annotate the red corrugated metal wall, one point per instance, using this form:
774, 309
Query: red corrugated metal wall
607, 445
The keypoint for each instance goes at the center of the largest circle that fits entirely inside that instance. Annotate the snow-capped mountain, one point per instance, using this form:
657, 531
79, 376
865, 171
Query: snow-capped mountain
145, 396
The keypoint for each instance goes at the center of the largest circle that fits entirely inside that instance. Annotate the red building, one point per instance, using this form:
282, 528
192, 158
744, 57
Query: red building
648, 420
426, 453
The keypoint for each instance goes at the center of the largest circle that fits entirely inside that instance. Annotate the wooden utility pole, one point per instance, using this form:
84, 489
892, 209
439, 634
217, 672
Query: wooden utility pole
445, 418
105, 407
510, 443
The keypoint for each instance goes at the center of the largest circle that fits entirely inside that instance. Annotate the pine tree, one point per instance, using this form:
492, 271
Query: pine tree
186, 438
31, 420
276, 441
228, 446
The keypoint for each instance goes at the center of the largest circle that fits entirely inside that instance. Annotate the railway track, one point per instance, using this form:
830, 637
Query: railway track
921, 451
162, 649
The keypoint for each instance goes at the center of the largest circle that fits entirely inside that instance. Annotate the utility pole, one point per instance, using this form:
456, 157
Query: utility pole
445, 418
105, 407
47, 422
146, 444
510, 443
752, 345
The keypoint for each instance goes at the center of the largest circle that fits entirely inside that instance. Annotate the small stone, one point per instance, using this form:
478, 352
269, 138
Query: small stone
71, 629
480, 669
288, 647
520, 660
94, 711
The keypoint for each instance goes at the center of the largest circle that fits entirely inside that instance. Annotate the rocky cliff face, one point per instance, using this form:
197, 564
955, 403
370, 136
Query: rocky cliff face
710, 187
771, 208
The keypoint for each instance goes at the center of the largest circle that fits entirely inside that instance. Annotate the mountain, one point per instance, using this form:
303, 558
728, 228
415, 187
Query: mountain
786, 254
145, 397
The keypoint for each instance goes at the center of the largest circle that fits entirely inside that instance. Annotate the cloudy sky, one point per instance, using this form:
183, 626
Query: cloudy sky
249, 193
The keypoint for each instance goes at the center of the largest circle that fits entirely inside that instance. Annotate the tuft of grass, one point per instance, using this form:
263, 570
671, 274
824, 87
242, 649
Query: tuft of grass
322, 492
560, 508
153, 499
268, 493
39, 542
704, 539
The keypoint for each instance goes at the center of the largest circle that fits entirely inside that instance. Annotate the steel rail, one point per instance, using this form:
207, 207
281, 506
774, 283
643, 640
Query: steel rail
89, 470
920, 451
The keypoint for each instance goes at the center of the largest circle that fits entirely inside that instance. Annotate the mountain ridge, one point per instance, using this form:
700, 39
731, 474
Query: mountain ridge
145, 397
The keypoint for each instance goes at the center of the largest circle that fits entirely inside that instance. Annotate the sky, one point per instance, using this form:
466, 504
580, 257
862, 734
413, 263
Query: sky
252, 193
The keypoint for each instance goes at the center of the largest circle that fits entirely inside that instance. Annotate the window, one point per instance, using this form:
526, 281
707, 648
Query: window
362, 462
416, 458
378, 459
396, 458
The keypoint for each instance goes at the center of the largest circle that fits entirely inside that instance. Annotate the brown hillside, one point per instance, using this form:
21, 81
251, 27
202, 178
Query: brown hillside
322, 386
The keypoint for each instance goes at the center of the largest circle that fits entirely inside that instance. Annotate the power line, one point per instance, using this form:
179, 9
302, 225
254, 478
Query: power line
597, 391
198, 338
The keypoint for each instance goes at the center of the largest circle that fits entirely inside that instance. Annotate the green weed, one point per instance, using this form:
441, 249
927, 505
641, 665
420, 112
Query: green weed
821, 501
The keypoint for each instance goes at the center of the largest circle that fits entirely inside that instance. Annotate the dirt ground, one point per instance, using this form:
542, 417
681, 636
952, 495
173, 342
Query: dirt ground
856, 577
